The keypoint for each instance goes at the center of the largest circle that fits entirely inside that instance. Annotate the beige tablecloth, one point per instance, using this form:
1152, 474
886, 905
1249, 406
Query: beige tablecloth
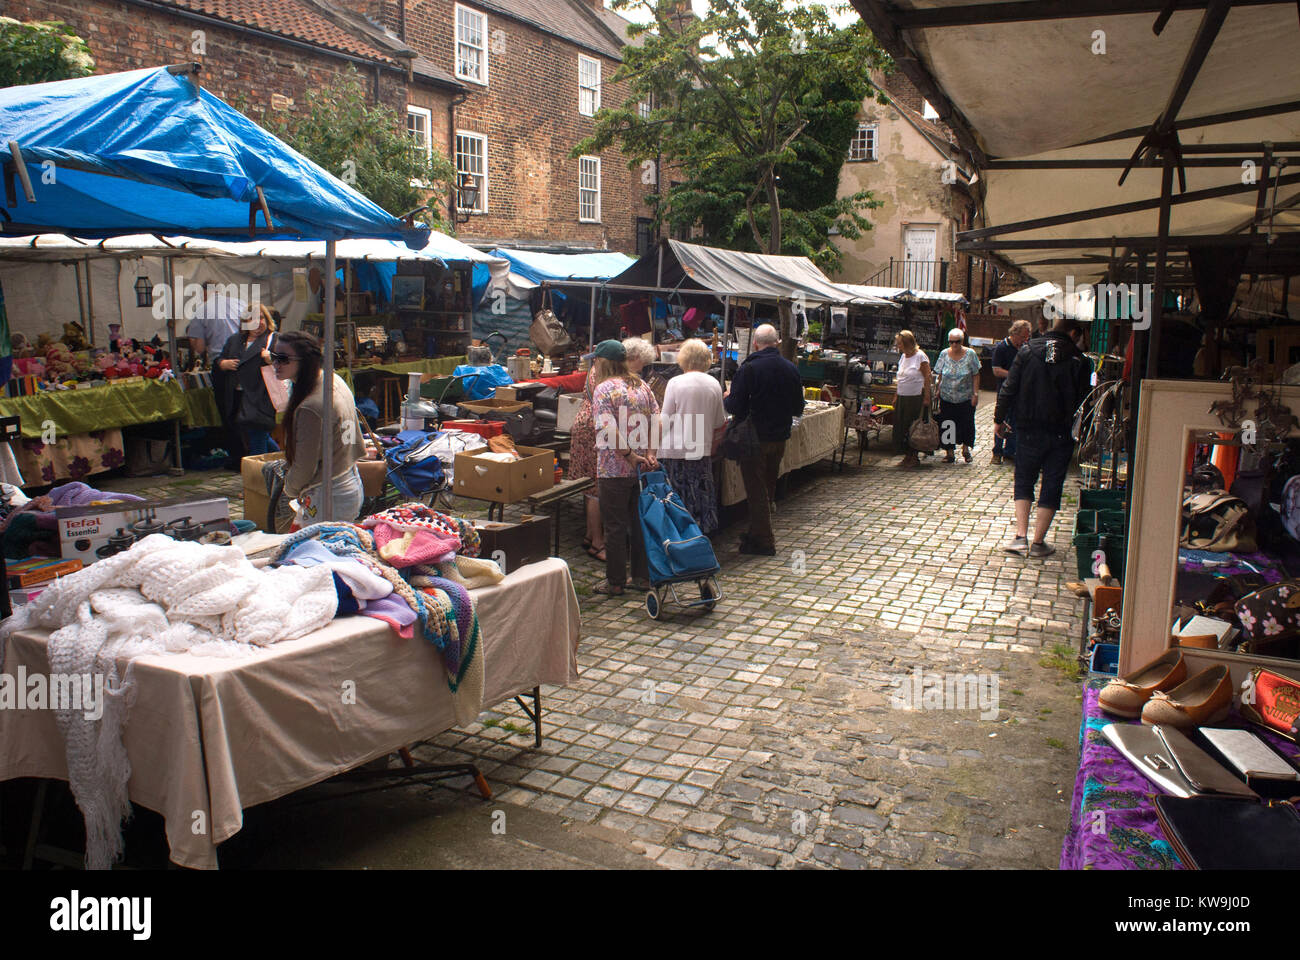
209, 736
816, 436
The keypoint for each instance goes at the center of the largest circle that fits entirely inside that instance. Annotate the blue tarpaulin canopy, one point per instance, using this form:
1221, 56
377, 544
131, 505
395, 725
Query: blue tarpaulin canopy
149, 151
540, 267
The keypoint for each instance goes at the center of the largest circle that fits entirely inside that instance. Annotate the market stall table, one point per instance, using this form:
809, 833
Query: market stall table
87, 424
815, 437
1113, 823
208, 736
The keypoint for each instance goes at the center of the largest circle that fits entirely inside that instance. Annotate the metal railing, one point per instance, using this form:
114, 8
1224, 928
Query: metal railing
913, 274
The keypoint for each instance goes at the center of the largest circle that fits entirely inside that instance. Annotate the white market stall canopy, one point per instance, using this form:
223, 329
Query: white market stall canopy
690, 267
867, 293
1052, 99
1030, 296
43, 275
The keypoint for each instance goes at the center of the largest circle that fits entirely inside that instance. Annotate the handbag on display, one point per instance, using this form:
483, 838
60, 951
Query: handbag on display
547, 332
1269, 617
1215, 520
740, 441
276, 389
924, 435
1272, 701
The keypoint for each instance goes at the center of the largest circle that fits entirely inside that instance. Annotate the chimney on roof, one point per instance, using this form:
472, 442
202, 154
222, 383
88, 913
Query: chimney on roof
598, 4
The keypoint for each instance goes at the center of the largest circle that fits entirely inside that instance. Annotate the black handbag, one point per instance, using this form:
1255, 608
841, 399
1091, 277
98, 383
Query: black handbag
740, 440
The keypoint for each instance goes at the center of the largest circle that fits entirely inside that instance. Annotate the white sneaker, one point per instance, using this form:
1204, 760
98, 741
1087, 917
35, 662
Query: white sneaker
1019, 546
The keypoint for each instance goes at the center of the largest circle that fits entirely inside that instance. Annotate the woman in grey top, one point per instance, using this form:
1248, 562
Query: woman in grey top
297, 357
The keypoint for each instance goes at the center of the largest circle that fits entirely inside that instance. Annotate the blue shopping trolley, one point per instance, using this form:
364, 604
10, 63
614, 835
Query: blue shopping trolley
676, 551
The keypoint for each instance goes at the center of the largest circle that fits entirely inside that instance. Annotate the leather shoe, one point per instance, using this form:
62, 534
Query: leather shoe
1199, 700
1126, 696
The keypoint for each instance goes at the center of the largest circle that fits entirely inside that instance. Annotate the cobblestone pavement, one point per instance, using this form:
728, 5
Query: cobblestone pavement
764, 734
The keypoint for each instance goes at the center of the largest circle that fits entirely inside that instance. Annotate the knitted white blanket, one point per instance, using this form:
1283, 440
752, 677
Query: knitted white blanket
160, 596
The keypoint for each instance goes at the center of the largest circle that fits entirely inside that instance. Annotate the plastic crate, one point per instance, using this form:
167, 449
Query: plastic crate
1105, 659
487, 429
1100, 530
1101, 499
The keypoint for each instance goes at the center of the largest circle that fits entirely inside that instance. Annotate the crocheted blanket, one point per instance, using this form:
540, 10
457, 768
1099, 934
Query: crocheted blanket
160, 596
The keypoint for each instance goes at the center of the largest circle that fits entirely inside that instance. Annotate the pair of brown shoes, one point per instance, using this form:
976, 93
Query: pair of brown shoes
1162, 693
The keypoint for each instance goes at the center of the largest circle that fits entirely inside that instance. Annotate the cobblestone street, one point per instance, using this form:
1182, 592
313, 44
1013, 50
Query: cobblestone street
763, 734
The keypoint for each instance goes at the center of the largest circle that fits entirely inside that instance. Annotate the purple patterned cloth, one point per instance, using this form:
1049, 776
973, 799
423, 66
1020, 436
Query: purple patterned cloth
1238, 563
1127, 834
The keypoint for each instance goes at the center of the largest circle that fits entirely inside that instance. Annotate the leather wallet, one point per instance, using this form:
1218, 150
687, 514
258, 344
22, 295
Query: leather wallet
1205, 774
1142, 746
1251, 756
1220, 833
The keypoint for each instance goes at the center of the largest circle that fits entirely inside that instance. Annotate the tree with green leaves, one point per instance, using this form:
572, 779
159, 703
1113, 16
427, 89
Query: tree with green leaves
367, 146
754, 106
41, 51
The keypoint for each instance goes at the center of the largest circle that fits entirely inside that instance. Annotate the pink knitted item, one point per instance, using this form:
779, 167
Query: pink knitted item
411, 534
406, 548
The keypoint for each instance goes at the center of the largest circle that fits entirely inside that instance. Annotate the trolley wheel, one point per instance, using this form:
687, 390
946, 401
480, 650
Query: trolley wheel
652, 606
707, 594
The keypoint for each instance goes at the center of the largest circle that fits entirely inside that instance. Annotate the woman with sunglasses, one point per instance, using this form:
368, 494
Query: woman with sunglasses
244, 355
297, 357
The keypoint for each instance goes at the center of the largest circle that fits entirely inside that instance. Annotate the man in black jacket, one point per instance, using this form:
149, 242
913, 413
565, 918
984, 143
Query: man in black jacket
1048, 380
767, 389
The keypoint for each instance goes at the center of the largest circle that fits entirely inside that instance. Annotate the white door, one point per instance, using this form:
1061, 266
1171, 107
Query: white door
919, 245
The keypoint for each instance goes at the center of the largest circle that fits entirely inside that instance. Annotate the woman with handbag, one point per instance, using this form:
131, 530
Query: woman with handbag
246, 354
625, 413
958, 370
582, 463
297, 357
914, 388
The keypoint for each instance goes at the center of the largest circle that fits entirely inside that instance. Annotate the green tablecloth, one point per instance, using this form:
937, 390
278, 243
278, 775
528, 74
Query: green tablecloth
201, 408
437, 366
102, 408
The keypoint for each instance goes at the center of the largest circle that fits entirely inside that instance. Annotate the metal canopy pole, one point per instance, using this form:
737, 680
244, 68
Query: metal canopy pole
327, 424
591, 337
726, 319
169, 275
1162, 253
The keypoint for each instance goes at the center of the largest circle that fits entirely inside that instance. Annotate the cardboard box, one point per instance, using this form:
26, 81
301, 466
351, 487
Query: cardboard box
516, 544
567, 410
256, 499
500, 482
495, 406
519, 393
83, 530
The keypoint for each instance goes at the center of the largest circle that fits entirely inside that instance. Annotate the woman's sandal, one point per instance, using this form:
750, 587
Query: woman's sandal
607, 589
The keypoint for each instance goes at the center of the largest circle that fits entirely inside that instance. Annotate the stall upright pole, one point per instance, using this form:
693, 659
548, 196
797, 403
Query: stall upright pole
169, 271
591, 337
726, 318
327, 390
90, 304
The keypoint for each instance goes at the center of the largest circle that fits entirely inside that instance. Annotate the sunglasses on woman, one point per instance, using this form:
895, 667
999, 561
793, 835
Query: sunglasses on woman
281, 357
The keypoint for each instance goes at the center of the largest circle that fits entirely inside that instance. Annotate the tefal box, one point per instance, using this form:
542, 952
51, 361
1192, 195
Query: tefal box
84, 531
517, 543
482, 478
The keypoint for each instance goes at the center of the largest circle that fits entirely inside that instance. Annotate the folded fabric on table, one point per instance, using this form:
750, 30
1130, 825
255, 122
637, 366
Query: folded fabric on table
364, 582
159, 596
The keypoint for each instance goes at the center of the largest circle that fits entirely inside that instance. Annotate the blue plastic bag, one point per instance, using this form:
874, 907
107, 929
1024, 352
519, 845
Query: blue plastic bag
675, 548
481, 382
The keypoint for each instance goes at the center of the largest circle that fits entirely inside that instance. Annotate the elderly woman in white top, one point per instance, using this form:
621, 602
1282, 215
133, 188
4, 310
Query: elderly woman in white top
692, 422
913, 385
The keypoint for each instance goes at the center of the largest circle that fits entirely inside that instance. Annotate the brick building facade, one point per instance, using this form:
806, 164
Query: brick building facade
519, 126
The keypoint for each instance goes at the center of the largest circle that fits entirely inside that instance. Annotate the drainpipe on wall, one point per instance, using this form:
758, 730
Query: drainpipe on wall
401, 20
455, 102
